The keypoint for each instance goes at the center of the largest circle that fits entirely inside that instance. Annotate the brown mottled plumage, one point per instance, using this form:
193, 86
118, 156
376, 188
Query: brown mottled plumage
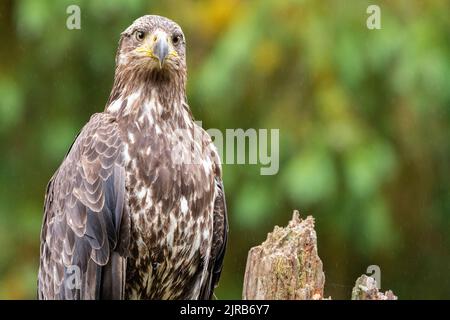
138, 204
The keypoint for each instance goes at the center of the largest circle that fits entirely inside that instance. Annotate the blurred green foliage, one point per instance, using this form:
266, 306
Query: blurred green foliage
363, 118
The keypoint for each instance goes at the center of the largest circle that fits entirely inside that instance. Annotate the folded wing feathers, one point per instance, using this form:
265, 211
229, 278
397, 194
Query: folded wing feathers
83, 211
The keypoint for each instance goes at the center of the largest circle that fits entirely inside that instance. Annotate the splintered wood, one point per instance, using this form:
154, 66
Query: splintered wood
286, 265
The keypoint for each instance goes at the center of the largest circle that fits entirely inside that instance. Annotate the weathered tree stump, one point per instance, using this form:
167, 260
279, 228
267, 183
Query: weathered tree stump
287, 266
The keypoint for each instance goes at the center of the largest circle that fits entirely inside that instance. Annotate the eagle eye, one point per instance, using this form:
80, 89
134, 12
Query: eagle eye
176, 38
139, 35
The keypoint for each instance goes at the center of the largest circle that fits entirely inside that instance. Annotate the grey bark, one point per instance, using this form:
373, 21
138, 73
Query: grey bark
287, 266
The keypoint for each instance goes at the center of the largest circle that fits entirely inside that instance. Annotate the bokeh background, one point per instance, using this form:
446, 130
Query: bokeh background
364, 120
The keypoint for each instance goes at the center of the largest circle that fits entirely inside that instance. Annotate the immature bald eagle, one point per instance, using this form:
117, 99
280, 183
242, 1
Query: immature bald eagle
137, 208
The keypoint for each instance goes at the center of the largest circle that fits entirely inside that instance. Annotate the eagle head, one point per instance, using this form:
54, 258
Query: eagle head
152, 44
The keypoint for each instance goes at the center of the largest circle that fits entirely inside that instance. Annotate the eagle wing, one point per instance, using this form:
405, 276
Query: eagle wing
219, 241
86, 226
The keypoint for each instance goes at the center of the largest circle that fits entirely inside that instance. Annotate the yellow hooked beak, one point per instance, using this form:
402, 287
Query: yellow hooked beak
157, 46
